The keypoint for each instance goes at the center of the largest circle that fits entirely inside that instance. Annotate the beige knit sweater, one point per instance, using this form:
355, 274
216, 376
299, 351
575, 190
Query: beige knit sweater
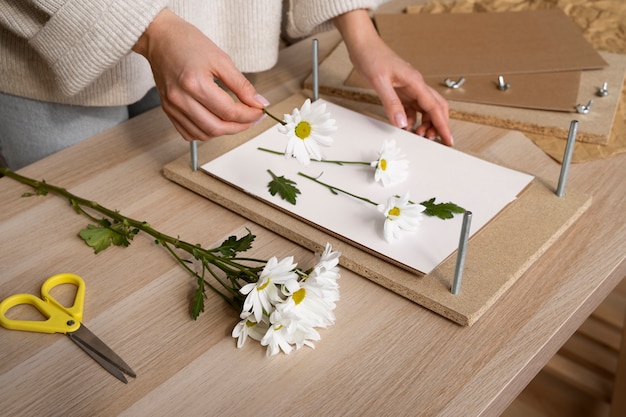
79, 51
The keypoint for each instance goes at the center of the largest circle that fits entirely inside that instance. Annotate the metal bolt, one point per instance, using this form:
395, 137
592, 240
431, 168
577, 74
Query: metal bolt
584, 109
454, 84
502, 86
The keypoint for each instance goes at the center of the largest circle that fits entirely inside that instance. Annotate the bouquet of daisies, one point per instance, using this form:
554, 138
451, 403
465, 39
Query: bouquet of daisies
285, 306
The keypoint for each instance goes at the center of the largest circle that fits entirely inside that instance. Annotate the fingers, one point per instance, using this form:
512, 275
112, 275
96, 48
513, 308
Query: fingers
206, 111
185, 77
394, 108
421, 98
436, 119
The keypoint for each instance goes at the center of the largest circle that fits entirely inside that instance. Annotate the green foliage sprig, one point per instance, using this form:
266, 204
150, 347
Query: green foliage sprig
287, 190
229, 271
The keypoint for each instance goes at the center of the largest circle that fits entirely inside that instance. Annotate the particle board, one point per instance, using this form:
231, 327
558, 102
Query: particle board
497, 255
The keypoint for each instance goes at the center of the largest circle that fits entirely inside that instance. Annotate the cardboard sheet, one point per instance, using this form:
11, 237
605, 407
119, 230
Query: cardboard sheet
455, 44
601, 24
595, 127
435, 171
540, 53
555, 91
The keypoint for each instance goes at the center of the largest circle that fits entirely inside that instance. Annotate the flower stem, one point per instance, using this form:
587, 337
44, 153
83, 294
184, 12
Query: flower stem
328, 161
336, 190
282, 122
229, 265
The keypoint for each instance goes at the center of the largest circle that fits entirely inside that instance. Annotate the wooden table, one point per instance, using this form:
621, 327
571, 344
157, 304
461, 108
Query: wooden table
384, 356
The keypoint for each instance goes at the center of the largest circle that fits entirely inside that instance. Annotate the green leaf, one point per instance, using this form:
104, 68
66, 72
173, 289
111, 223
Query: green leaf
442, 210
197, 306
285, 188
232, 245
101, 237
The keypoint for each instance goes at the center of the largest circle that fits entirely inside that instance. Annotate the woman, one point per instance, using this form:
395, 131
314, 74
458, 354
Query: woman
72, 68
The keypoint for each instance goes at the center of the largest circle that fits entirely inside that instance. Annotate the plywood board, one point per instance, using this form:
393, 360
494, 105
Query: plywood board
497, 256
594, 127
465, 44
434, 171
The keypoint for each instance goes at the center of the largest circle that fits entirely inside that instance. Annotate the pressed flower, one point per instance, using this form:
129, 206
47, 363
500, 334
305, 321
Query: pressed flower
308, 128
262, 295
390, 167
401, 216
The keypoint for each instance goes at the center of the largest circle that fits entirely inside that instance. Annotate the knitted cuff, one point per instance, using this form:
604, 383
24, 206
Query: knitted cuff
83, 38
306, 17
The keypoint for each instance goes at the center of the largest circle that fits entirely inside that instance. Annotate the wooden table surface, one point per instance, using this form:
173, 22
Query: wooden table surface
384, 356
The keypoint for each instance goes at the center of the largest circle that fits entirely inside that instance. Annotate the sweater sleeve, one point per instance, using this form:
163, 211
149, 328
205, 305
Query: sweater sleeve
305, 17
79, 39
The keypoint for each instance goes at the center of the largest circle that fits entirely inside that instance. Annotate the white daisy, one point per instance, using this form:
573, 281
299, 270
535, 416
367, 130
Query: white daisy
390, 167
401, 216
299, 331
265, 293
248, 327
326, 273
309, 305
327, 259
276, 340
307, 128
326, 281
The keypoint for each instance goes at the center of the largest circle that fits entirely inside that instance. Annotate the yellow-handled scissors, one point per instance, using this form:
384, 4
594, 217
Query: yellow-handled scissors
61, 319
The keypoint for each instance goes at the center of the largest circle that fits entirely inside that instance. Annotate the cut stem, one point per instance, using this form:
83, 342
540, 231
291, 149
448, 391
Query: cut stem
336, 190
328, 161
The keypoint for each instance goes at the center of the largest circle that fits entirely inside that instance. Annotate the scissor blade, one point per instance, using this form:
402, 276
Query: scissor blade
113, 370
91, 344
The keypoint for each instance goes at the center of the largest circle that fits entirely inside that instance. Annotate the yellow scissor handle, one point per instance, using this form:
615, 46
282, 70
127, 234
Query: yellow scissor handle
76, 309
59, 319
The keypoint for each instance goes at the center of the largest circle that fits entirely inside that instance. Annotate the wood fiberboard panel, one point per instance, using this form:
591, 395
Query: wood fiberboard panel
498, 254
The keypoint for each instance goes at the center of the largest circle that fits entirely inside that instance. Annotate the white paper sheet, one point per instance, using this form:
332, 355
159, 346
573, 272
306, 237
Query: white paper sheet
435, 171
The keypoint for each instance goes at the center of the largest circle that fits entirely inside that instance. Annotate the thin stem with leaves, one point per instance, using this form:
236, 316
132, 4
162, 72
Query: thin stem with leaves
116, 229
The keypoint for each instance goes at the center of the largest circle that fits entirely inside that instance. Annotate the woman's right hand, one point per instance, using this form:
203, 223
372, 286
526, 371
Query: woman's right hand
185, 64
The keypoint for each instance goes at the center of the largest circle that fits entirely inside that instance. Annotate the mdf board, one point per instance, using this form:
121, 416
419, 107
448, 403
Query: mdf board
497, 255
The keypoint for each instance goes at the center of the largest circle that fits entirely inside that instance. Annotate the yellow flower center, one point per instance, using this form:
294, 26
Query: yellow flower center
303, 130
264, 285
383, 164
250, 323
299, 295
394, 211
